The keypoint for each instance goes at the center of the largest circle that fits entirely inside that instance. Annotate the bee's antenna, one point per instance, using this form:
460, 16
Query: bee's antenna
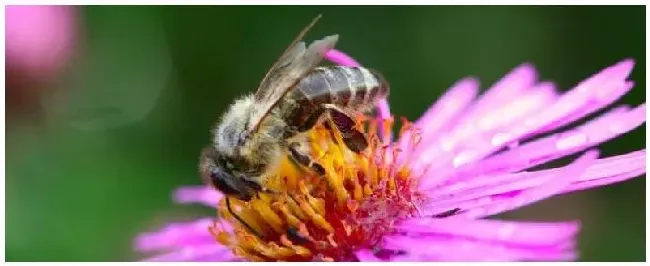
242, 220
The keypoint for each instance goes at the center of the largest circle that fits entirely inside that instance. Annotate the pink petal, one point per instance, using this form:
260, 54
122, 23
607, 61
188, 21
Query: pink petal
503, 203
437, 119
448, 107
198, 194
209, 252
603, 181
468, 143
617, 169
590, 95
473, 141
508, 113
366, 255
604, 128
510, 87
177, 235
483, 188
340, 58
595, 105
439, 248
506, 90
599, 95
519, 233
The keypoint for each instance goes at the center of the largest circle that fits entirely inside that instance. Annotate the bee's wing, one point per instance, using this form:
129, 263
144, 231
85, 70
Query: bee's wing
294, 63
294, 49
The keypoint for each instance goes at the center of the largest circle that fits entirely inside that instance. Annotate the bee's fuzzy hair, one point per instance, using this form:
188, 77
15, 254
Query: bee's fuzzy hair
262, 148
232, 123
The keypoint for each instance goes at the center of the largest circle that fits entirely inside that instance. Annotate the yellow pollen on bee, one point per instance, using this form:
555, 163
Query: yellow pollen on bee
322, 218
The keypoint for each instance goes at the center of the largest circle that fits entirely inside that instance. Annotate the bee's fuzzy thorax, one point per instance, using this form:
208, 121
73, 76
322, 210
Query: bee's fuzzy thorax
233, 121
260, 149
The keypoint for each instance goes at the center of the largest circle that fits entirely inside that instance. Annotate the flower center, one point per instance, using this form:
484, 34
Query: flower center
326, 218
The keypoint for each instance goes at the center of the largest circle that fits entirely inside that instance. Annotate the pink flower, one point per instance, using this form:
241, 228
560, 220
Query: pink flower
39, 42
39, 39
465, 159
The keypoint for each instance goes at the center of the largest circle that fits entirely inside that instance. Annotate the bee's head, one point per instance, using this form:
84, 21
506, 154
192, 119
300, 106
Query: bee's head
220, 172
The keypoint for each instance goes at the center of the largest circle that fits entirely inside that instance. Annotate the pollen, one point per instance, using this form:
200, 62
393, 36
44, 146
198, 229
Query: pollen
325, 218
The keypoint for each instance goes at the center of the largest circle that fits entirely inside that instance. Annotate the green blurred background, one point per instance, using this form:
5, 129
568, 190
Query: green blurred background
95, 163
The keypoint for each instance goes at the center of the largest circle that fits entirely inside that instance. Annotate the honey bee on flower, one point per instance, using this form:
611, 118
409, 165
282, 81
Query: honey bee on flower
425, 196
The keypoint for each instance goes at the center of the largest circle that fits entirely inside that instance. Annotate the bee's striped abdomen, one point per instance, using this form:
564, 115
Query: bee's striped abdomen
351, 88
347, 87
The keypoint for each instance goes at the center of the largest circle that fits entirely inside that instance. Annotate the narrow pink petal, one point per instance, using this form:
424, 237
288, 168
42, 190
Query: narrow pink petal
590, 95
437, 119
340, 58
520, 233
384, 115
565, 177
198, 194
473, 141
604, 128
508, 113
437, 248
177, 235
598, 95
448, 107
594, 105
366, 255
511, 87
617, 169
412, 258
486, 253
616, 164
603, 181
209, 252
384, 109
483, 188
506, 90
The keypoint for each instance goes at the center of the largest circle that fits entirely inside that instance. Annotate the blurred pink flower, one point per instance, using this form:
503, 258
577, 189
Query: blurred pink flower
470, 163
39, 39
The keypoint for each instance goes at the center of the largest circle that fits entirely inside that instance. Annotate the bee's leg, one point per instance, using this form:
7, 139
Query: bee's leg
250, 228
353, 138
304, 125
311, 120
304, 159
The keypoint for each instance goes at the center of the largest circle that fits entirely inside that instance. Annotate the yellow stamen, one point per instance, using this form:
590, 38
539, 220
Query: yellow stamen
295, 208
327, 218
269, 215
290, 217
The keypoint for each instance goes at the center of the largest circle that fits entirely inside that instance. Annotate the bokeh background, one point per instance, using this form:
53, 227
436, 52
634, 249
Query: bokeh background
108, 107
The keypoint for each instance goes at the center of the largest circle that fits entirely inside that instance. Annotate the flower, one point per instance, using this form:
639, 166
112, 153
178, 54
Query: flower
39, 38
425, 196
39, 43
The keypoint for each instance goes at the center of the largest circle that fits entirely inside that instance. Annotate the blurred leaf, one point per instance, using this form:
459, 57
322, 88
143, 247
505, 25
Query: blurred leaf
117, 78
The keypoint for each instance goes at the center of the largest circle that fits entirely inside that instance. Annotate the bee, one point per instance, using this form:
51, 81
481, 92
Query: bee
260, 129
